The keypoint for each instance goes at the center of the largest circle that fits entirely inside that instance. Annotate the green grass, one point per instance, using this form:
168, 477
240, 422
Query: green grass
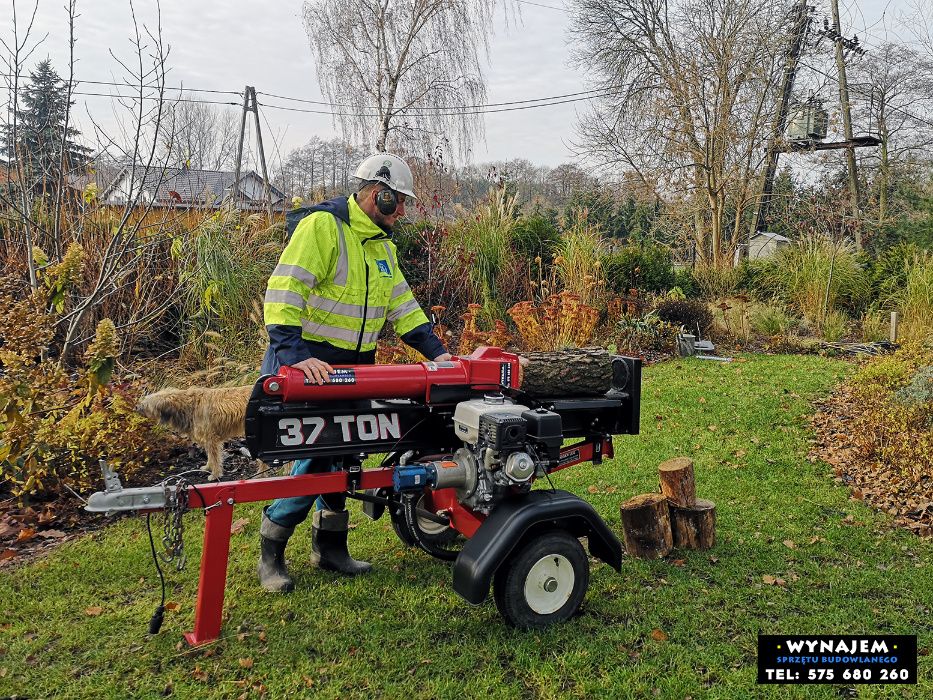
403, 633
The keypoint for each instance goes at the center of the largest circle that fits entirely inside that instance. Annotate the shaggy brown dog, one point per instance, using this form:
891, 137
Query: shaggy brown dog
207, 416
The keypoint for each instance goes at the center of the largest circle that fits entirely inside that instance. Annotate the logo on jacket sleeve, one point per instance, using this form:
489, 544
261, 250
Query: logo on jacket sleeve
384, 268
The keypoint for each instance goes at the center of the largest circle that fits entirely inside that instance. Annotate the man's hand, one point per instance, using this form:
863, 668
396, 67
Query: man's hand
443, 358
315, 370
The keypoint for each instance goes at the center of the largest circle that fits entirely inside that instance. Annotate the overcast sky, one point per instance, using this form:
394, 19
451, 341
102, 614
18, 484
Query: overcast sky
226, 44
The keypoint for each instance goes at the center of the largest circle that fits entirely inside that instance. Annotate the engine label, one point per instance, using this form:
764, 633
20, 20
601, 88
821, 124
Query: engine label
569, 456
505, 374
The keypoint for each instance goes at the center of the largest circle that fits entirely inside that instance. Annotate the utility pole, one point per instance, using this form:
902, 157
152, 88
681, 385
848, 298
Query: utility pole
801, 19
250, 105
846, 120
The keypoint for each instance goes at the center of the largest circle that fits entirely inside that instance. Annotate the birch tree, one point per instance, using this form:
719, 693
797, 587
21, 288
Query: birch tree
396, 70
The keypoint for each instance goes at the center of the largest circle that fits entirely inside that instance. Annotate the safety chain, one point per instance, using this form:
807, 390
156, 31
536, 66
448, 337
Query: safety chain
176, 503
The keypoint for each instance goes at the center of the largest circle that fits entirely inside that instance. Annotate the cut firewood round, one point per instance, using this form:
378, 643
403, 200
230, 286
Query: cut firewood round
646, 526
577, 372
677, 482
694, 527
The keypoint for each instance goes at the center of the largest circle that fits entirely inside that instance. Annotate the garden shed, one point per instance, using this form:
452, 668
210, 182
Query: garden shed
764, 244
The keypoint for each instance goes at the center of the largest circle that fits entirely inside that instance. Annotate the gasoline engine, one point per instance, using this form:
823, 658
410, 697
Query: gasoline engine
505, 445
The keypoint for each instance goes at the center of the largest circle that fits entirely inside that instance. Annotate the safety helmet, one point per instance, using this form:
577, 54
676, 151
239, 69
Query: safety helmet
390, 170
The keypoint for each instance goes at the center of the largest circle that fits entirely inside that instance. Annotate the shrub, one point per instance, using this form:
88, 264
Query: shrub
874, 325
835, 326
686, 282
816, 275
692, 314
919, 392
715, 283
915, 299
579, 260
535, 236
486, 238
223, 277
54, 427
561, 321
771, 321
892, 425
647, 267
648, 333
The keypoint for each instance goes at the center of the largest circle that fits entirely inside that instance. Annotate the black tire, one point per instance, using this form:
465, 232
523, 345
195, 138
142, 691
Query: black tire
553, 558
441, 542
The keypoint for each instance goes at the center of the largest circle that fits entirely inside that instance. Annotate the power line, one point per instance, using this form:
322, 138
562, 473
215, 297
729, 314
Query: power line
445, 114
477, 106
441, 111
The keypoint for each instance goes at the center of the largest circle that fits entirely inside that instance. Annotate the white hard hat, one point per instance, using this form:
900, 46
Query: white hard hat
390, 170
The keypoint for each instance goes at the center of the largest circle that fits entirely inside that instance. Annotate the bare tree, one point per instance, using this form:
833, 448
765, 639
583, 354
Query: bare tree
397, 71
894, 86
688, 86
199, 136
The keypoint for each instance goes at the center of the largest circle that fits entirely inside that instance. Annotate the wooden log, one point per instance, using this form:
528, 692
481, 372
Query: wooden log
694, 527
577, 372
677, 483
646, 526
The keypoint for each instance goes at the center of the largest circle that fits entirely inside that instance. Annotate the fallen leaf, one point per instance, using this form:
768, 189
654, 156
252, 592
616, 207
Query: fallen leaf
26, 534
6, 529
47, 516
7, 554
238, 525
592, 489
773, 580
679, 562
171, 605
658, 635
262, 636
790, 544
93, 611
713, 560
199, 675
52, 534
740, 453
702, 400
309, 681
246, 663
712, 428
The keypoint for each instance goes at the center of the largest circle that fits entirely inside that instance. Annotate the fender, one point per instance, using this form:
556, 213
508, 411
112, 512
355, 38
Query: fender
511, 520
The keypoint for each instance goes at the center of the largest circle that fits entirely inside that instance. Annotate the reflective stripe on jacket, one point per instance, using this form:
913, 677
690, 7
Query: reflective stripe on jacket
340, 282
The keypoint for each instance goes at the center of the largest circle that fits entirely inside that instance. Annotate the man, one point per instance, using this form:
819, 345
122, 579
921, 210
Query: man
337, 282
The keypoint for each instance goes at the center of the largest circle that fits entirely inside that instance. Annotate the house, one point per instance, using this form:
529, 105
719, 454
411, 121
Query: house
187, 188
764, 244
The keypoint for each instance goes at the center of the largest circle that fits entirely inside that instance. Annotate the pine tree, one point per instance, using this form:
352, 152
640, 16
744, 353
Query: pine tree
40, 127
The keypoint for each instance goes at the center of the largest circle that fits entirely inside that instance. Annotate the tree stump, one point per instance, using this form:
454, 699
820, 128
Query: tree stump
646, 526
577, 372
677, 482
694, 527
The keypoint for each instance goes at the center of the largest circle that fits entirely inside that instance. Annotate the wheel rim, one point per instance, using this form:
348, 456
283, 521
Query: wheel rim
549, 584
428, 527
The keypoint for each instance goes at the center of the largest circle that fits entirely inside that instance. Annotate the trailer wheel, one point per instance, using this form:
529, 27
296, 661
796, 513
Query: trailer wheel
440, 541
544, 582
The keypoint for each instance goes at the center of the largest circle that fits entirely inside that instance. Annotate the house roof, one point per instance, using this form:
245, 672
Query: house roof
189, 186
771, 236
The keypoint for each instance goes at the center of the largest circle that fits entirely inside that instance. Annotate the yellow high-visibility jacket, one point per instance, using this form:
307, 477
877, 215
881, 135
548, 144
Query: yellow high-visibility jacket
336, 284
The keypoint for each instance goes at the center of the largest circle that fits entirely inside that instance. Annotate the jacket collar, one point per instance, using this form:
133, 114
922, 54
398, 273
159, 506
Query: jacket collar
362, 225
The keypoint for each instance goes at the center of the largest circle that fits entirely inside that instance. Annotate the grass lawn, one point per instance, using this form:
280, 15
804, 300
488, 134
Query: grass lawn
681, 627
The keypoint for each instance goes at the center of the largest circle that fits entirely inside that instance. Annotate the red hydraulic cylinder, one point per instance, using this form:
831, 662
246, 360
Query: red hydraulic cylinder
487, 367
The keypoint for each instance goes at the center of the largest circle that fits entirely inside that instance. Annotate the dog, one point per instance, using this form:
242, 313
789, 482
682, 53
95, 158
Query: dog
207, 416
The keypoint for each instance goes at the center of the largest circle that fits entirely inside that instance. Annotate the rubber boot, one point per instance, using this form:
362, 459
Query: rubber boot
273, 574
329, 544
